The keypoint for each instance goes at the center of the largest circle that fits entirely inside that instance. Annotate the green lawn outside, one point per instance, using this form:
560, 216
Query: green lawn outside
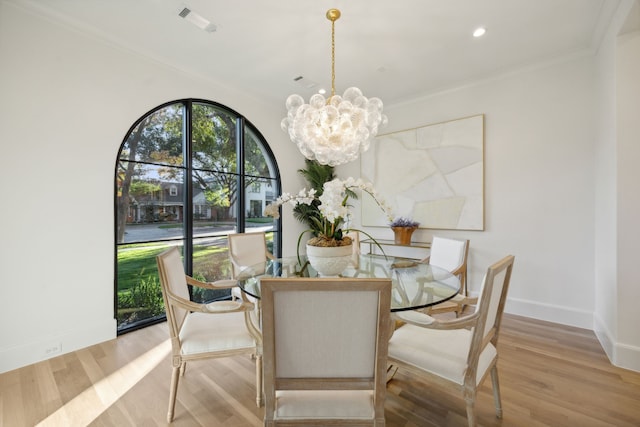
139, 295
140, 261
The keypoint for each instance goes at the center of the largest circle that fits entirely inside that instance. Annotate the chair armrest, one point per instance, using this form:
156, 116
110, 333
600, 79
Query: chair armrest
458, 270
462, 300
183, 303
228, 306
270, 255
212, 307
414, 318
218, 284
425, 321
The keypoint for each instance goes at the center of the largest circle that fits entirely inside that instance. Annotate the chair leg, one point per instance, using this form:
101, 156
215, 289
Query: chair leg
183, 368
391, 371
496, 391
259, 400
471, 415
175, 377
470, 399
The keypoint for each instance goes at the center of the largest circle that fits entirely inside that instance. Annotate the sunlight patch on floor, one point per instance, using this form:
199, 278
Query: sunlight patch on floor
93, 401
242, 411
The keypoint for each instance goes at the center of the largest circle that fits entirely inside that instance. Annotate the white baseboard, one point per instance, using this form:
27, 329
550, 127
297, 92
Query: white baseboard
621, 355
627, 356
604, 336
551, 313
52, 346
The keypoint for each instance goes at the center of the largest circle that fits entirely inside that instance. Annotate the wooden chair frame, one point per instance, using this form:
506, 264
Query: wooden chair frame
178, 308
375, 382
458, 303
483, 334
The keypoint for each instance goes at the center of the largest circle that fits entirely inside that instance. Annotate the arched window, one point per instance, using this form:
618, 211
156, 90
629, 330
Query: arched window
188, 173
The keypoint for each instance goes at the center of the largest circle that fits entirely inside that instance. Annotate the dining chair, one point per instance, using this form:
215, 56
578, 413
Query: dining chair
202, 331
450, 254
355, 255
457, 354
246, 249
325, 350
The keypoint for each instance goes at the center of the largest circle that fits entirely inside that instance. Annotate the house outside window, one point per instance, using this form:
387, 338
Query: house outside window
255, 187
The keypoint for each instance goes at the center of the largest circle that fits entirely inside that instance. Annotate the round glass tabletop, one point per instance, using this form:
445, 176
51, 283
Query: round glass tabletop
414, 285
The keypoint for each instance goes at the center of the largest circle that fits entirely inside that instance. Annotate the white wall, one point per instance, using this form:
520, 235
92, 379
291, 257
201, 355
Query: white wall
605, 226
628, 125
617, 198
67, 101
539, 199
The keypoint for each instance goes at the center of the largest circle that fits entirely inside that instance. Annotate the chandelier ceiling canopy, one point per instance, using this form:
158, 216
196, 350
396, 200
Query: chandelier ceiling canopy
335, 130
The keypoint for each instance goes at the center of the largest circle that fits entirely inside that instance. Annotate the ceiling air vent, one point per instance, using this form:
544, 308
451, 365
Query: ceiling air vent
304, 82
197, 20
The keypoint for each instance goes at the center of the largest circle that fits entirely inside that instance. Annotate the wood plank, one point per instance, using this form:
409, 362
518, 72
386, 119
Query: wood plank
550, 375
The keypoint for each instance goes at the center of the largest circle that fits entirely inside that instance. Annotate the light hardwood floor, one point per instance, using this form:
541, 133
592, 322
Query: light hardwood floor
550, 375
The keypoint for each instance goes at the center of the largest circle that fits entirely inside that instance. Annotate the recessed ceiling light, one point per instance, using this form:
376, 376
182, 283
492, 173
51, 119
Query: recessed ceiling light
479, 32
322, 91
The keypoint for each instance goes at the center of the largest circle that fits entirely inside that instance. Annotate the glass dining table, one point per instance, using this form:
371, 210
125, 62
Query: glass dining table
415, 285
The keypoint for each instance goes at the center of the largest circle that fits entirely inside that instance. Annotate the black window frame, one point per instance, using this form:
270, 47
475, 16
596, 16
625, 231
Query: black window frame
242, 126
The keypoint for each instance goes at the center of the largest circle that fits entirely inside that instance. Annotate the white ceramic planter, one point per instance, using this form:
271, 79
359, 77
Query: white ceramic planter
329, 261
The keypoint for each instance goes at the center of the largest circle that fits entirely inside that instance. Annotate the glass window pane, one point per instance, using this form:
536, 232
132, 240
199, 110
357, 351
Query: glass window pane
213, 139
214, 198
210, 263
157, 138
259, 192
272, 242
256, 161
149, 202
139, 297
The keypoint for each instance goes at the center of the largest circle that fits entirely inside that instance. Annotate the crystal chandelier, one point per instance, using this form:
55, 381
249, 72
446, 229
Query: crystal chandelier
336, 130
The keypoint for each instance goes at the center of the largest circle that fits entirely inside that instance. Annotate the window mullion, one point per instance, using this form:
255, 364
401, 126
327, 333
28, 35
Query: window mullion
188, 187
240, 200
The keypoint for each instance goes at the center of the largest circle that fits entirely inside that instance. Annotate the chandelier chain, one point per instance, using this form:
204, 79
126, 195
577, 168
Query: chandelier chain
333, 57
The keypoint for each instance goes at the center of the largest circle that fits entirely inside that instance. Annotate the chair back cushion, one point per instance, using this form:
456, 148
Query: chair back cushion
321, 336
355, 255
325, 333
173, 281
497, 293
447, 253
246, 249
491, 304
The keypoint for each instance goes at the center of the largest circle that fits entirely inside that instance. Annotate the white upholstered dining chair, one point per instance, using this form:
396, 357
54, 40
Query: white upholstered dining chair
355, 255
246, 249
452, 255
457, 354
201, 331
325, 350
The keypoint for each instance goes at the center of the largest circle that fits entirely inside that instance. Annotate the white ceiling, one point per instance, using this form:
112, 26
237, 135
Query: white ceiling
394, 50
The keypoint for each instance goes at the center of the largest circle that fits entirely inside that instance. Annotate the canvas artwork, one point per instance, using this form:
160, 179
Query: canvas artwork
433, 174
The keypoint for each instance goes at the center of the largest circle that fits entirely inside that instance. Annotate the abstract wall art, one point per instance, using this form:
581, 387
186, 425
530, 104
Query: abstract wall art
433, 174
